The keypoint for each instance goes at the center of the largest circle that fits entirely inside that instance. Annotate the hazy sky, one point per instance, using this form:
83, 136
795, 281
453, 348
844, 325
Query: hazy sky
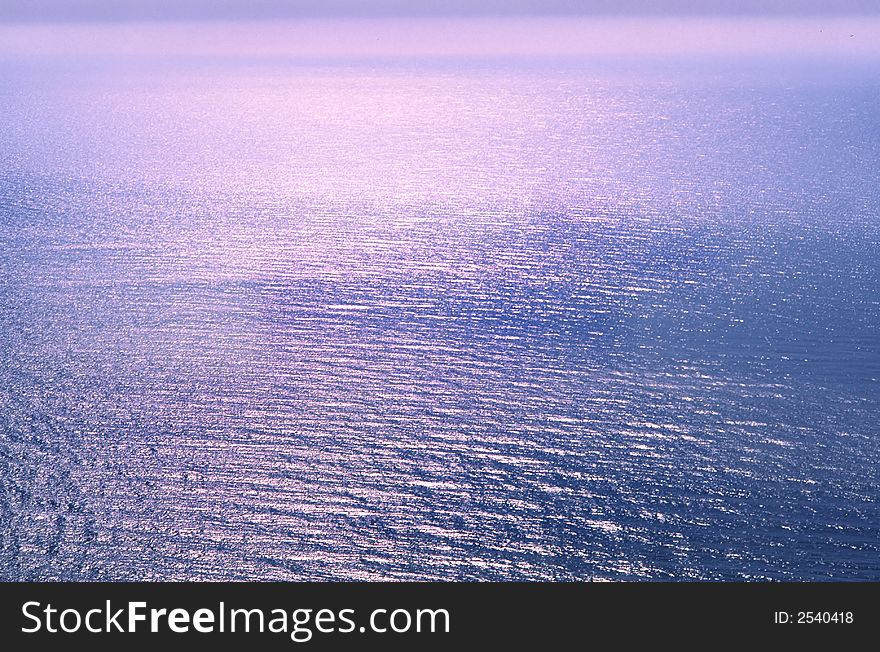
91, 10
407, 28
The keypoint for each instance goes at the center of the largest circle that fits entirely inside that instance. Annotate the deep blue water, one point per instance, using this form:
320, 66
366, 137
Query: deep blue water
276, 321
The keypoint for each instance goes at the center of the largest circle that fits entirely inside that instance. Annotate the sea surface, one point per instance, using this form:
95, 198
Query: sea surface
459, 320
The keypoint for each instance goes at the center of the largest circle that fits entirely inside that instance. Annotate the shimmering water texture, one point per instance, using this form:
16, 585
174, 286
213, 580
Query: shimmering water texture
443, 321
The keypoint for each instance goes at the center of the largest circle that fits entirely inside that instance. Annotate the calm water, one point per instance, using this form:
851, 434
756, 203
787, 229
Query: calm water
278, 321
